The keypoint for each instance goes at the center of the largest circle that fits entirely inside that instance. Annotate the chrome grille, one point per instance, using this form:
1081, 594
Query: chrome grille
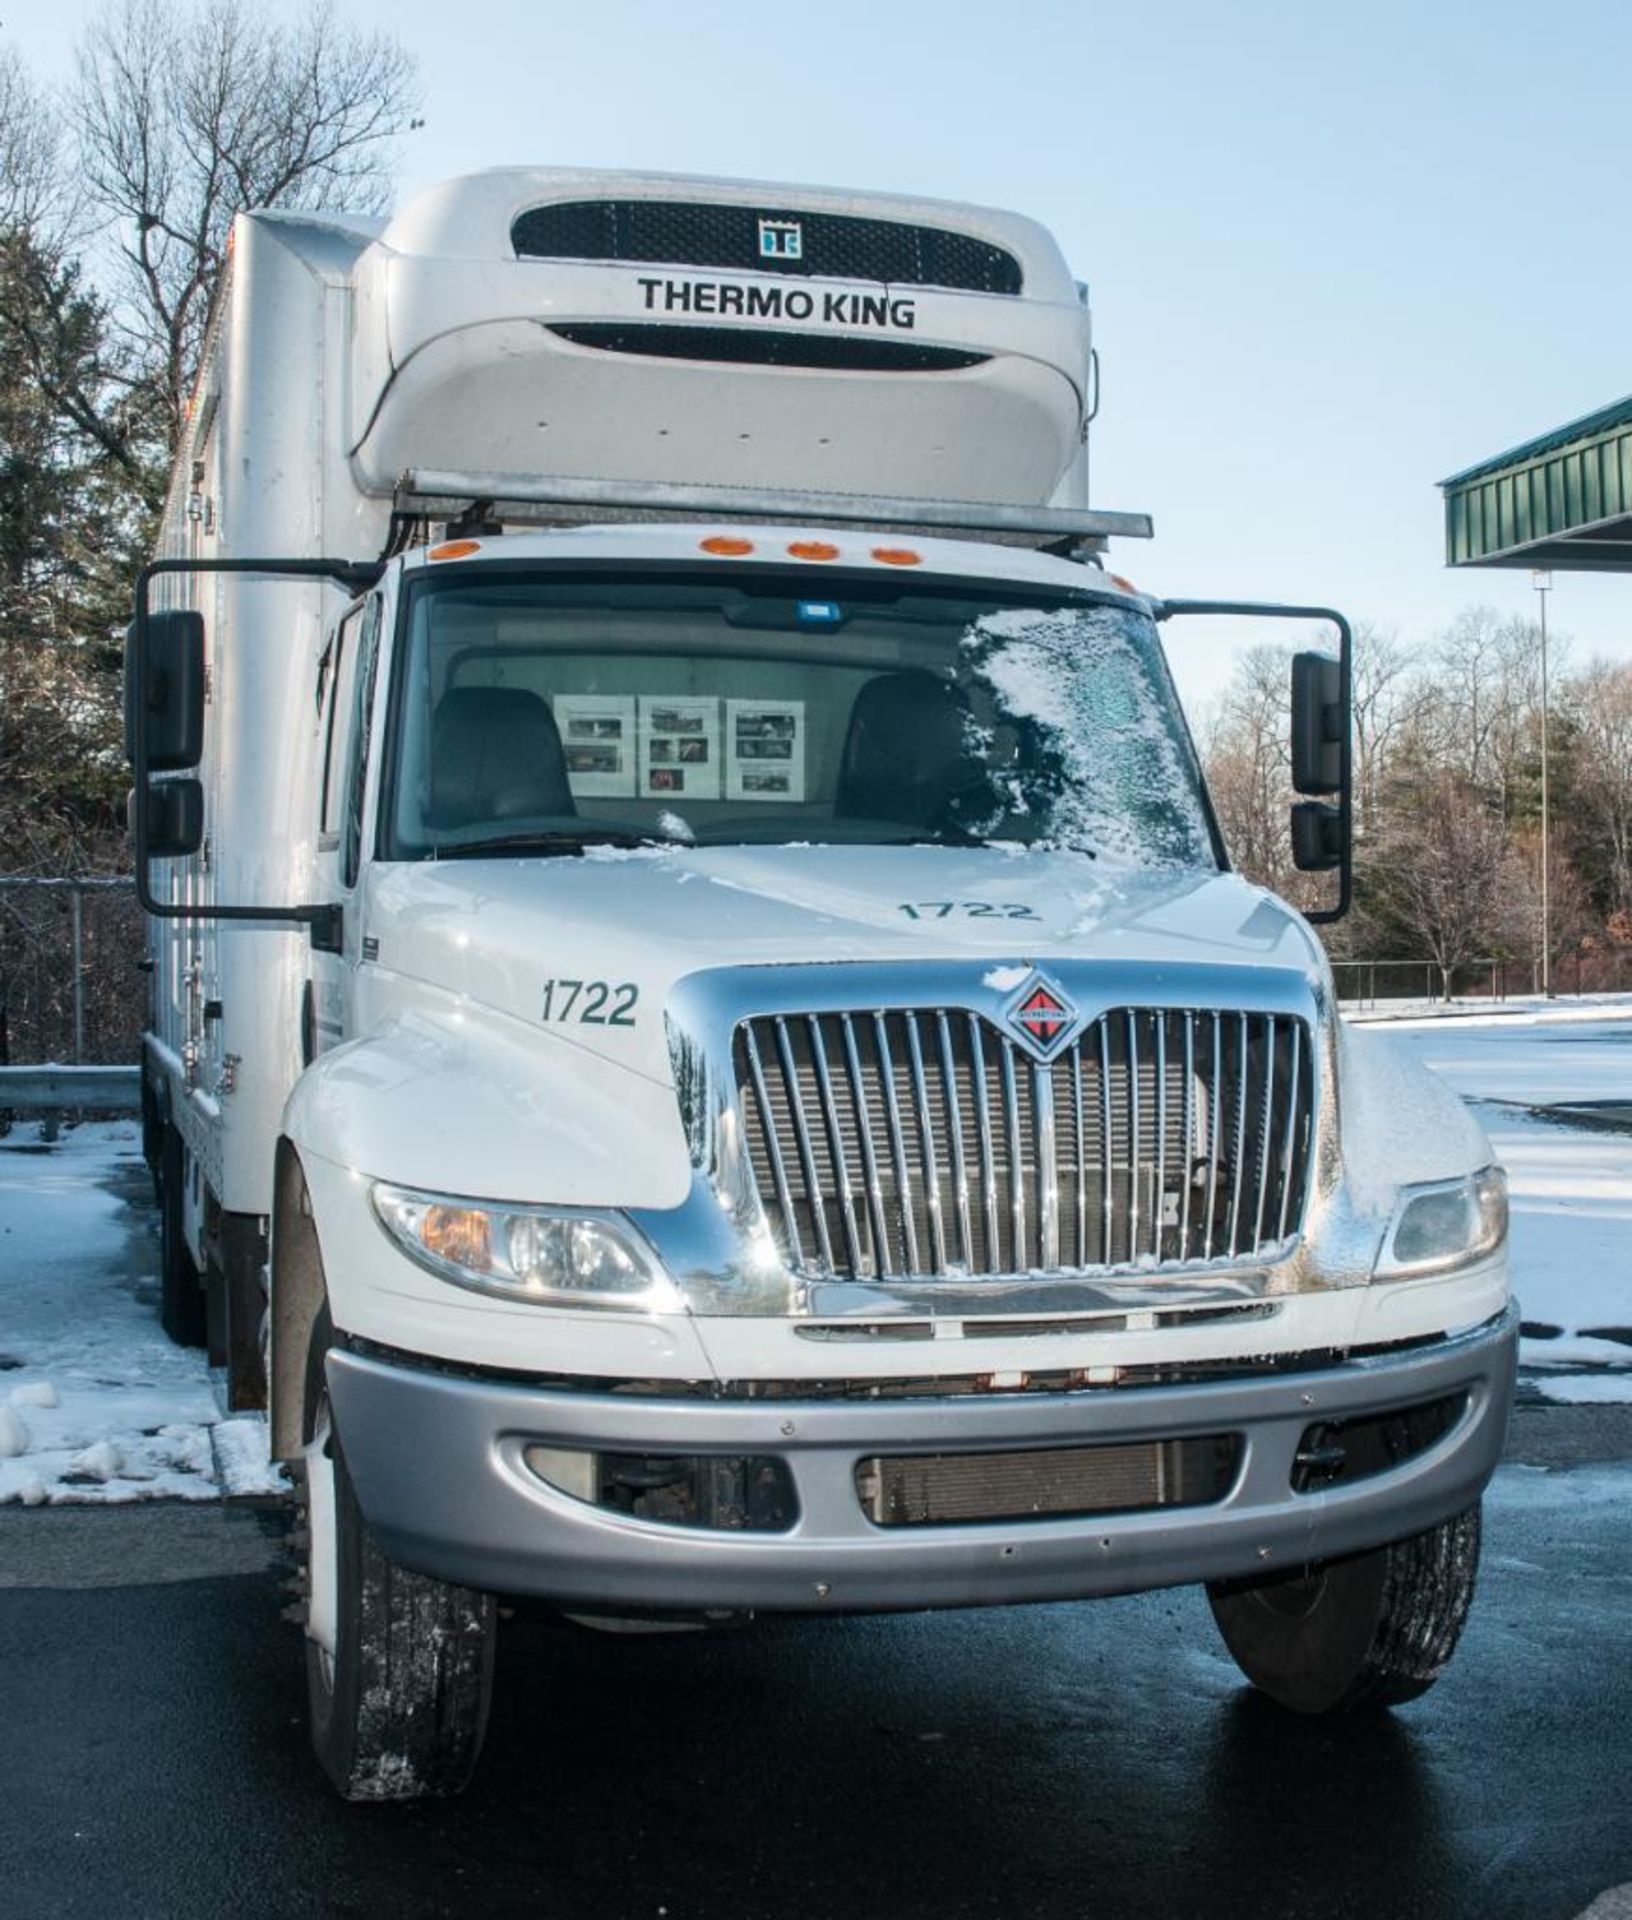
920, 1143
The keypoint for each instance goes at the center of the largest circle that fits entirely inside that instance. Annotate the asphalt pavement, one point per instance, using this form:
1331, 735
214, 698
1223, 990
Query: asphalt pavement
1082, 1760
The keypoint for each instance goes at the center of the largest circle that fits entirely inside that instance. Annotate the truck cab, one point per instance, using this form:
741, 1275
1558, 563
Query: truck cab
754, 1087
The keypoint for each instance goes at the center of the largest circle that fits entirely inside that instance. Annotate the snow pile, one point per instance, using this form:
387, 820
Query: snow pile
102, 1462
1529, 1010
96, 1405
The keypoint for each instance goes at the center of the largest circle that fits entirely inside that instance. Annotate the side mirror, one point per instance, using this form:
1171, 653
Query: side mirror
1317, 836
174, 675
173, 816
1317, 725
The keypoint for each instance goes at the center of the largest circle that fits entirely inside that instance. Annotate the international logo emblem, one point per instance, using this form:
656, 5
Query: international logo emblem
781, 240
1042, 1016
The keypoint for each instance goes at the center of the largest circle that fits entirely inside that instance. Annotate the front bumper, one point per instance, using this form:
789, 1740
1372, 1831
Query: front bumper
437, 1463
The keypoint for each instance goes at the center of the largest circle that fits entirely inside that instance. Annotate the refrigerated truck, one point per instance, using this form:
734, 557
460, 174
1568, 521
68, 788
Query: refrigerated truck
707, 1058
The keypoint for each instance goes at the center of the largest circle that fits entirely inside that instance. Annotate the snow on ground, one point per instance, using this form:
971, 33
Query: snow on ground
1526, 1009
1569, 1172
96, 1405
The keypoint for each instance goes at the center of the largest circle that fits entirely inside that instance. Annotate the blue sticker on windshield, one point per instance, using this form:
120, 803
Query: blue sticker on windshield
819, 613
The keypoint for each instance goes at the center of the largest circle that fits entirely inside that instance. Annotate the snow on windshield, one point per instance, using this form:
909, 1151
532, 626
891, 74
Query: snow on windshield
1121, 780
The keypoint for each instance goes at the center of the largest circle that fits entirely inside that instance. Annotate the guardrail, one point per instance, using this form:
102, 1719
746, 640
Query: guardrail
58, 1089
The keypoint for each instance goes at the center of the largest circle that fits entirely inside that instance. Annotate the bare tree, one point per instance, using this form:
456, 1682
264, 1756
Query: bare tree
1482, 712
1442, 872
188, 114
35, 181
1249, 768
1385, 701
1601, 700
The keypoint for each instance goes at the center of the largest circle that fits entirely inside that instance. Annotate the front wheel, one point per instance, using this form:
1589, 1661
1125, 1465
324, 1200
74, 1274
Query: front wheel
399, 1667
1373, 1630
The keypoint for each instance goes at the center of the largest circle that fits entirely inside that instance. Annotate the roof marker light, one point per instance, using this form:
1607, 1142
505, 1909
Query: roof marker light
897, 556
726, 543
454, 549
812, 550
1120, 580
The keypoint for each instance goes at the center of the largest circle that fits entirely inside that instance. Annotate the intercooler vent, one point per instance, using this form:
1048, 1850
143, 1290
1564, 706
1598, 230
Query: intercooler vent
929, 1143
754, 346
828, 246
957, 1489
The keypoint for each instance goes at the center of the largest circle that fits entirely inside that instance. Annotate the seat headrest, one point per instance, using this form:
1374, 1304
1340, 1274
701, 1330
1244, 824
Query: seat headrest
495, 755
907, 757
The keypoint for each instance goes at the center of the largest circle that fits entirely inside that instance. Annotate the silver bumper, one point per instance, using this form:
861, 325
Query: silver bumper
437, 1462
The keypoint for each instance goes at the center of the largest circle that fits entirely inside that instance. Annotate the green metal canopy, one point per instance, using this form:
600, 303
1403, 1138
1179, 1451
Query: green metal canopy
1563, 500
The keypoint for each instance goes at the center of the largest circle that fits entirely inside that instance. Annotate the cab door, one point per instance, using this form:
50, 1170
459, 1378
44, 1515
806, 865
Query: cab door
346, 682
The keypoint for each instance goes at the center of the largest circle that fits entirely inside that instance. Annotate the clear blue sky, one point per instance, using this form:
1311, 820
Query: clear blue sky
1336, 251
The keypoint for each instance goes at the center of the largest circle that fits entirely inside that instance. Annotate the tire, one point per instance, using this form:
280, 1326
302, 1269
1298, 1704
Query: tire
1371, 1631
399, 1667
181, 1286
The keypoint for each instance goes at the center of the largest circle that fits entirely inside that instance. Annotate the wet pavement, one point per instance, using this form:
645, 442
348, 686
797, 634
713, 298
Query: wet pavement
1084, 1760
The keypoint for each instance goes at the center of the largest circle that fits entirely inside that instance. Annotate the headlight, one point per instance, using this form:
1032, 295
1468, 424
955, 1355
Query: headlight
555, 1256
1448, 1224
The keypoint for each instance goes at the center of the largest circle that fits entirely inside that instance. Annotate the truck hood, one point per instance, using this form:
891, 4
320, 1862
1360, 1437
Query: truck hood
496, 933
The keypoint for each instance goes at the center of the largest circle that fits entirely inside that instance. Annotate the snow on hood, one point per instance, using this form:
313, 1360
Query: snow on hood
494, 932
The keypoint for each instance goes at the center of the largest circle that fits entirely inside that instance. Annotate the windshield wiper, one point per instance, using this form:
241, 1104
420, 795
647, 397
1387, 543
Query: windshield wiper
962, 837
562, 840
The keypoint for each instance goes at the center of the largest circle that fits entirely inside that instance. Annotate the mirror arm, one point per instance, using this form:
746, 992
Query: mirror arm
354, 575
1274, 610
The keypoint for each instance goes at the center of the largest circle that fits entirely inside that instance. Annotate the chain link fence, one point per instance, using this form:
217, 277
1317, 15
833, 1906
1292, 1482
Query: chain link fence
1371, 983
72, 986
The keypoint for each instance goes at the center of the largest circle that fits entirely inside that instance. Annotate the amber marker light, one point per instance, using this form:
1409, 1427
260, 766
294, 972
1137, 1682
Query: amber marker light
732, 546
898, 556
459, 1234
454, 549
812, 550
1119, 580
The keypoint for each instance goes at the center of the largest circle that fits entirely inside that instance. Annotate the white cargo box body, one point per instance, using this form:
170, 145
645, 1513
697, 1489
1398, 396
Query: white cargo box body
262, 472
665, 365
345, 355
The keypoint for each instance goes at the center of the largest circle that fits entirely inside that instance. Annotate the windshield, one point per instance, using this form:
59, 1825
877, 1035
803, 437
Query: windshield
547, 713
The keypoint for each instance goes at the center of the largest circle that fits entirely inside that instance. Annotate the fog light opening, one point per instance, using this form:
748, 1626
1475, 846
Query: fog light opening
722, 1493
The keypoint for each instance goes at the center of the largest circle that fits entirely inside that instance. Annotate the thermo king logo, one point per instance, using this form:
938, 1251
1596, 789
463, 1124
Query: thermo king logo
781, 240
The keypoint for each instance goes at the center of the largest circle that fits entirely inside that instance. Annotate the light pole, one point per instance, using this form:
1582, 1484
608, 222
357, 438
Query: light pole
1543, 583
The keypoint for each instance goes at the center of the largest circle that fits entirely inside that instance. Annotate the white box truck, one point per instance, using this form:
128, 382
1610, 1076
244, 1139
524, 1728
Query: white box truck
706, 1056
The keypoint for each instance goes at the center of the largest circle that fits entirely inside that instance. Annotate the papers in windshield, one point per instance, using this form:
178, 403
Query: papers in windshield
667, 746
598, 741
680, 746
765, 750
